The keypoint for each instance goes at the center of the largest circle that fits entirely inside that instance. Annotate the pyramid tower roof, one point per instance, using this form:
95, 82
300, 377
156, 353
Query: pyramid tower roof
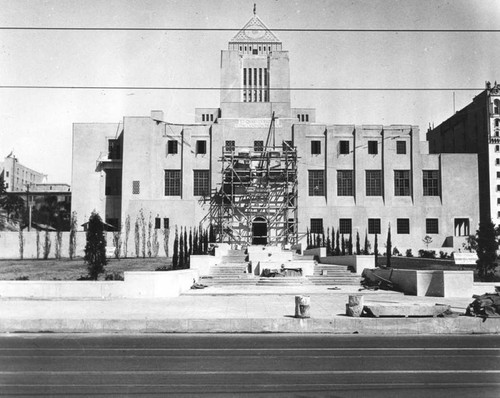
255, 31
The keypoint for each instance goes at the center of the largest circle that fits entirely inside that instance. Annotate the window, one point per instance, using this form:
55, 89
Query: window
230, 146
431, 182
401, 147
287, 146
402, 182
166, 223
372, 147
172, 182
498, 174
136, 187
498, 188
344, 147
345, 226
374, 226
172, 147
114, 149
497, 148
373, 182
201, 182
403, 225
201, 147
315, 147
497, 122
496, 107
316, 183
498, 201
431, 226
6, 174
157, 223
345, 183
258, 146
113, 183
316, 225
462, 227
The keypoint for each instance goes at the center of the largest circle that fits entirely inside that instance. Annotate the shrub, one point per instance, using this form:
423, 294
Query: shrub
21, 243
409, 253
115, 276
46, 246
427, 253
162, 268
22, 278
117, 242
395, 251
443, 255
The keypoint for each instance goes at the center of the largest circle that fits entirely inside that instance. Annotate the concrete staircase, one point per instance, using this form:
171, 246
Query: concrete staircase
231, 271
326, 274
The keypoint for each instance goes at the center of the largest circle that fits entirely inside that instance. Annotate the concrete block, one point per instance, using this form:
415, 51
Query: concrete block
405, 310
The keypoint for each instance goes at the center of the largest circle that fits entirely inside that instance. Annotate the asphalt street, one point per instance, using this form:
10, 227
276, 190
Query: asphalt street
249, 365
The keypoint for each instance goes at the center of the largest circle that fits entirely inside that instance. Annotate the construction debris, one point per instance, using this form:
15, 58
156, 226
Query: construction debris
486, 306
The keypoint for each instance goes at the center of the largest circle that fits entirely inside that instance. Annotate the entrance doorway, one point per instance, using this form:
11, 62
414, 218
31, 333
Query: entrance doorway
259, 231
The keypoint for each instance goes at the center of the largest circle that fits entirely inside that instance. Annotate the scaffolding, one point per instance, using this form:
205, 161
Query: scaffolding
256, 199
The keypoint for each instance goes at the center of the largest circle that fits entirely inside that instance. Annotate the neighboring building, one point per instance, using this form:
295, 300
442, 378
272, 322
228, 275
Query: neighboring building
17, 176
476, 129
262, 172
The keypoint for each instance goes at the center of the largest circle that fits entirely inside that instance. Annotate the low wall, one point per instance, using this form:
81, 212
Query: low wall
136, 284
202, 263
357, 262
318, 251
431, 283
481, 288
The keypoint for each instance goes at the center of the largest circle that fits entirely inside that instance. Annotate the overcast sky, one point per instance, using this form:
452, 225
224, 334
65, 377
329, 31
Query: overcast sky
37, 123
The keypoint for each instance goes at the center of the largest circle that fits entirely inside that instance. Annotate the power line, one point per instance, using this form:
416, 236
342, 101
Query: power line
60, 87
313, 30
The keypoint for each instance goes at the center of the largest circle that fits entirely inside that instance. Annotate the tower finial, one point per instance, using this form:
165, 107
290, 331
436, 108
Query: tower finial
254, 8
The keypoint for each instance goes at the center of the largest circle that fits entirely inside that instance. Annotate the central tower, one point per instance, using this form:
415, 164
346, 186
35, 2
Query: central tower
255, 74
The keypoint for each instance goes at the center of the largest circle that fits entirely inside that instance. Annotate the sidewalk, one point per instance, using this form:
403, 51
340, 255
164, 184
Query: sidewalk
233, 309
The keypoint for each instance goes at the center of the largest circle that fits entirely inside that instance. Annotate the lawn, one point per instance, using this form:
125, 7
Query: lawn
66, 269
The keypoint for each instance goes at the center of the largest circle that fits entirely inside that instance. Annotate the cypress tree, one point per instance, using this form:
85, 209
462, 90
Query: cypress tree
349, 244
367, 244
181, 250
323, 243
205, 243
487, 246
375, 249
175, 256
328, 243
95, 248
343, 245
308, 243
190, 241
333, 241
358, 246
211, 234
389, 247
337, 244
318, 240
186, 252
195, 242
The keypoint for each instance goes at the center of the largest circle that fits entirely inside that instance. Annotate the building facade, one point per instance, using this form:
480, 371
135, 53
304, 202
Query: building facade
476, 129
262, 172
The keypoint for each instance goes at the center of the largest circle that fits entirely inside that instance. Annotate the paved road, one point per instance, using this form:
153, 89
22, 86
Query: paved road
249, 365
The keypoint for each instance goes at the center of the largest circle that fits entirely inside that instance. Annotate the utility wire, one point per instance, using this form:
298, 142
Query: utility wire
313, 30
59, 87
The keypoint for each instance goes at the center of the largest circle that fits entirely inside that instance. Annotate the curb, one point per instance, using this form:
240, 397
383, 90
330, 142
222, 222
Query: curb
337, 325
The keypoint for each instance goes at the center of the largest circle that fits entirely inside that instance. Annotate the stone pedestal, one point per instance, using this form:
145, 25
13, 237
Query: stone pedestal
355, 305
302, 306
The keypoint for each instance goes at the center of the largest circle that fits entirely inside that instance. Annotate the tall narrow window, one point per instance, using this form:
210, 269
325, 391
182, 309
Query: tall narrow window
372, 147
344, 147
345, 226
172, 182
172, 147
373, 182
315, 147
374, 226
230, 146
201, 182
136, 187
401, 147
316, 225
258, 146
431, 182
403, 225
345, 183
201, 147
462, 227
401, 182
114, 150
316, 183
496, 107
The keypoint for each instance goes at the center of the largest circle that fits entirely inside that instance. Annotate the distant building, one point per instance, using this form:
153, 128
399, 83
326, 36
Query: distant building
262, 172
476, 129
17, 176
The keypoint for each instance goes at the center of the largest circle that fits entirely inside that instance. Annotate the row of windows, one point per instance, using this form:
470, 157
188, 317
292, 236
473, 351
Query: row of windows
173, 183
373, 183
402, 226
344, 147
207, 117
